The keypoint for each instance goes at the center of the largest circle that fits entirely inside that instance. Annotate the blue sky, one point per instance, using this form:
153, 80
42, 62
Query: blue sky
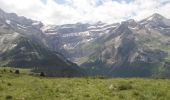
86, 11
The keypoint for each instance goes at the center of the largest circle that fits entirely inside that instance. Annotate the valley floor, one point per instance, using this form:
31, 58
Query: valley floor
26, 87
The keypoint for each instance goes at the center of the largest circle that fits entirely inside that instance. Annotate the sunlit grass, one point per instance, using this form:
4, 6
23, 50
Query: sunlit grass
26, 87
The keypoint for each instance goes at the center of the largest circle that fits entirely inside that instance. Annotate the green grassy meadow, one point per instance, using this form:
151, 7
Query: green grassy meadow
27, 87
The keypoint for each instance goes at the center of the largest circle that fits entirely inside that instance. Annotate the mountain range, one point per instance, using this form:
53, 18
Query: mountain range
127, 49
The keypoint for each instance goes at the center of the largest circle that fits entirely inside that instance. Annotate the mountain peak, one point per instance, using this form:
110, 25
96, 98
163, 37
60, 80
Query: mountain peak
155, 16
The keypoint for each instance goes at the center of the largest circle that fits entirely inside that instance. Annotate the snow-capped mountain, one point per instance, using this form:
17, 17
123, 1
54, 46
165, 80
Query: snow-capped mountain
126, 49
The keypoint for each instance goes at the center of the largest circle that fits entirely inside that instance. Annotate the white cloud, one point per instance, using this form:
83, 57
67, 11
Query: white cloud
73, 11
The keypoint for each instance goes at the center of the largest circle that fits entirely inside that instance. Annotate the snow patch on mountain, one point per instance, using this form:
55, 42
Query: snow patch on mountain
36, 23
8, 21
21, 26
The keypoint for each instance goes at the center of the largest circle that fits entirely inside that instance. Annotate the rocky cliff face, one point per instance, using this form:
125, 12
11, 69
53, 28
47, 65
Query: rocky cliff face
73, 40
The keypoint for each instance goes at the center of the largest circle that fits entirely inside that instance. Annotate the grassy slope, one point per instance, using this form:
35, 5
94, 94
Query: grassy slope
26, 87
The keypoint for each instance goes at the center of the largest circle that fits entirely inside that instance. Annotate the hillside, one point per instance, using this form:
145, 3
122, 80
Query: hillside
22, 45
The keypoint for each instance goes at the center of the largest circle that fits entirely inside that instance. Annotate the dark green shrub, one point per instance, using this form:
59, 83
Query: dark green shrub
9, 84
121, 86
124, 87
4, 70
42, 74
102, 77
136, 93
11, 71
8, 97
99, 77
17, 72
